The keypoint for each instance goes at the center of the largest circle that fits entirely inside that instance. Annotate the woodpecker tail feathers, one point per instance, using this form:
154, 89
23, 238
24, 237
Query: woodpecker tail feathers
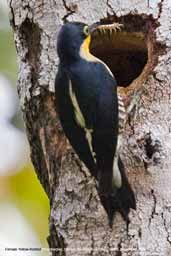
116, 199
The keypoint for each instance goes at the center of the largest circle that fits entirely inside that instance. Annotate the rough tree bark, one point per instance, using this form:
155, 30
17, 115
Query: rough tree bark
77, 219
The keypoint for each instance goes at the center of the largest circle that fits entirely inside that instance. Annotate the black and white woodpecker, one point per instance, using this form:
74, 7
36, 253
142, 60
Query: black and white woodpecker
90, 112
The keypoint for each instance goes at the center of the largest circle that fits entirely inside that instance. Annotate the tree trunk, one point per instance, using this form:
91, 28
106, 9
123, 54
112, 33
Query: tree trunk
140, 57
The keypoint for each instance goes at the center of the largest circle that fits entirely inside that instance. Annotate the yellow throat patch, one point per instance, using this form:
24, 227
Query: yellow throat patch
84, 50
86, 55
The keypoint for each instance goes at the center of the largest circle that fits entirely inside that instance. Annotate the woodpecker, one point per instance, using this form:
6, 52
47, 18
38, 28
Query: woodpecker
90, 112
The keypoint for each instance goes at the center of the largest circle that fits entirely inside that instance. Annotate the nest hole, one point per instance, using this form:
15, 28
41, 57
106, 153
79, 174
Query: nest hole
126, 52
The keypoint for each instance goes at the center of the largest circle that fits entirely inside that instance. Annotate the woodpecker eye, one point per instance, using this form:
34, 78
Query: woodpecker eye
86, 30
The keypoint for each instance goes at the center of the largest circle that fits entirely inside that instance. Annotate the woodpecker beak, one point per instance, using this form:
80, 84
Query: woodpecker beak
93, 27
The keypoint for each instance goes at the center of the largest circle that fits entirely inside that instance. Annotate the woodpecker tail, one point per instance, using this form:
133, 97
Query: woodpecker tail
116, 199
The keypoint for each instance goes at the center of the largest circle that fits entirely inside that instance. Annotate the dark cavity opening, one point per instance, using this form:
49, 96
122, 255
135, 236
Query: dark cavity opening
126, 51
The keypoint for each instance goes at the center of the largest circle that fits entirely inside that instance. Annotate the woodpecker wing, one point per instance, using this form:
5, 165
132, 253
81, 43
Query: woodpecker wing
94, 89
69, 119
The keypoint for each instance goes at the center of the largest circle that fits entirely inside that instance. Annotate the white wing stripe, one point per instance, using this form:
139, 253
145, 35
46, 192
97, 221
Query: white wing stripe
81, 120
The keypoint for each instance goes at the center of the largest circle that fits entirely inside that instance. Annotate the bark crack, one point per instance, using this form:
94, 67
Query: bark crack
119, 252
71, 9
166, 229
92, 245
56, 242
110, 6
160, 6
153, 211
140, 233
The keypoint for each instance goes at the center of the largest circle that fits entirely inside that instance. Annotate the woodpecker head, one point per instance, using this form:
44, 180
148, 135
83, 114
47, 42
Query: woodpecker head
73, 38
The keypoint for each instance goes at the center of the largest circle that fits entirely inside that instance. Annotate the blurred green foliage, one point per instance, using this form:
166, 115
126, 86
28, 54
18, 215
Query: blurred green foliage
29, 196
